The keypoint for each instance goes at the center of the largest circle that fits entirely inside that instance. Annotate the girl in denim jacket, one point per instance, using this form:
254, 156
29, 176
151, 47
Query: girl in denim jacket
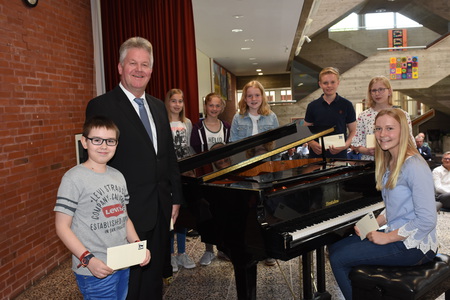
254, 114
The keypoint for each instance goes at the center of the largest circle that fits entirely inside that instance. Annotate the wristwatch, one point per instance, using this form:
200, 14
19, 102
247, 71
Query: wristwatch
85, 260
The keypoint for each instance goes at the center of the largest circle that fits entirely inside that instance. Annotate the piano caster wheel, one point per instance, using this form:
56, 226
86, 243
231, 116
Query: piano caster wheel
322, 296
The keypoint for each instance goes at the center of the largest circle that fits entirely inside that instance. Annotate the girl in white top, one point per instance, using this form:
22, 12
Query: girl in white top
180, 125
206, 134
211, 130
181, 131
379, 96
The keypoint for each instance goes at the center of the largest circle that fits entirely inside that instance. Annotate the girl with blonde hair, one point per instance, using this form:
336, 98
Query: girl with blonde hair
181, 132
408, 237
379, 96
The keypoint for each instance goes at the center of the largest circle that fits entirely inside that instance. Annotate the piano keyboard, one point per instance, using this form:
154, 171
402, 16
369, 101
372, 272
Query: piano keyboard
333, 222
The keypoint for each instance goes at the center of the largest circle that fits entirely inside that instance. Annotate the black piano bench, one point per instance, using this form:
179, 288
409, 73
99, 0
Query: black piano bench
427, 281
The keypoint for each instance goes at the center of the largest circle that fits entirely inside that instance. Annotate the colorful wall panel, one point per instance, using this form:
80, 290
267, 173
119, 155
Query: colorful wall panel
405, 67
397, 38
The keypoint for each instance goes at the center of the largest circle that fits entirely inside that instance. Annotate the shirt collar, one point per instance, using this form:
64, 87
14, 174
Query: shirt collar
335, 99
130, 96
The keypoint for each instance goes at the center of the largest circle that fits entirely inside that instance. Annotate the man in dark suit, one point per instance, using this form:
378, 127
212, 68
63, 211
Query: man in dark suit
290, 155
146, 157
425, 151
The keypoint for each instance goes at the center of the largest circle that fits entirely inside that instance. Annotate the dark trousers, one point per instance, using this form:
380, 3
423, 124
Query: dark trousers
146, 282
444, 199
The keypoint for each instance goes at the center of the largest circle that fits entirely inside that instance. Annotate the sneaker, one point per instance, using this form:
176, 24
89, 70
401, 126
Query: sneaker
207, 258
168, 280
192, 233
222, 256
185, 261
174, 263
269, 262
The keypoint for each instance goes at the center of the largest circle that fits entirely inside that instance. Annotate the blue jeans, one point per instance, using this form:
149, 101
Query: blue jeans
351, 251
113, 287
181, 240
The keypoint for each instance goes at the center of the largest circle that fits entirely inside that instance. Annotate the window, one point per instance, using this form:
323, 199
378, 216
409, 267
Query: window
405, 22
384, 20
286, 95
270, 95
379, 21
274, 95
349, 23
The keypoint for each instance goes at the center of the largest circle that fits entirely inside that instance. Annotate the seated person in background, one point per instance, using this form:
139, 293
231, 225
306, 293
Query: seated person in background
441, 177
303, 151
423, 150
424, 140
352, 153
290, 154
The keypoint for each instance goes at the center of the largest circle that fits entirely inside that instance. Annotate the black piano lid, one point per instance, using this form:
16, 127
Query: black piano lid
271, 143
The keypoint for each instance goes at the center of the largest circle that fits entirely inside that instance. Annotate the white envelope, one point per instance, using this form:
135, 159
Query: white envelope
337, 140
124, 256
367, 224
370, 141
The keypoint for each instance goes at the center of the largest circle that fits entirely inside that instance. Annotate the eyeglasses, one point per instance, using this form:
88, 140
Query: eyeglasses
379, 90
98, 141
446, 159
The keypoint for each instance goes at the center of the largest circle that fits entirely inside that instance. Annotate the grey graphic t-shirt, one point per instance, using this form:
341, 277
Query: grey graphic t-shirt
97, 203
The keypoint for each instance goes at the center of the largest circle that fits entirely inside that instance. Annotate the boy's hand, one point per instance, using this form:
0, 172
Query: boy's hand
98, 268
336, 150
315, 146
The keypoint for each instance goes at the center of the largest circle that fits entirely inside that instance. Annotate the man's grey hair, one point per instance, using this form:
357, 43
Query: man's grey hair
136, 42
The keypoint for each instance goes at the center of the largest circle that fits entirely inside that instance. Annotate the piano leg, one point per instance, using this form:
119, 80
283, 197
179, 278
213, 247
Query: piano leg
321, 293
245, 273
320, 261
306, 274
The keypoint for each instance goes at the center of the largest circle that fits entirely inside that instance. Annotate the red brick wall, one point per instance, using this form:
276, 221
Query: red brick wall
46, 79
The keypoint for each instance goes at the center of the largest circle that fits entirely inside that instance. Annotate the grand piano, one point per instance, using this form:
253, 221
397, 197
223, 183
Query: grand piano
252, 205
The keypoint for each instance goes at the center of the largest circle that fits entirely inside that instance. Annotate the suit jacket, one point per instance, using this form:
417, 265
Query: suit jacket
153, 180
285, 156
425, 152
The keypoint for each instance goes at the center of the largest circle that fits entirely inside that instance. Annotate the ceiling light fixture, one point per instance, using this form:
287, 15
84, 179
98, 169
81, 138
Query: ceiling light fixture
238, 16
255, 63
252, 58
314, 8
236, 30
245, 48
249, 40
260, 74
258, 70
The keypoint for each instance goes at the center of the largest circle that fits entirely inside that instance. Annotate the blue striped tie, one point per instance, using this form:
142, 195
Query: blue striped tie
144, 116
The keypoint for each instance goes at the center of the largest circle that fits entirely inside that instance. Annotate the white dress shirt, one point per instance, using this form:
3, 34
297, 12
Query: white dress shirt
441, 177
131, 97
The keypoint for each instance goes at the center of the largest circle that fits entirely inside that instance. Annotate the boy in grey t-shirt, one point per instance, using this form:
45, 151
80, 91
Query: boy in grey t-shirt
91, 214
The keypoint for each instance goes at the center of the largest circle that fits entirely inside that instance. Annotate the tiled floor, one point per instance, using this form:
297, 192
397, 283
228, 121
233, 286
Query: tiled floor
215, 281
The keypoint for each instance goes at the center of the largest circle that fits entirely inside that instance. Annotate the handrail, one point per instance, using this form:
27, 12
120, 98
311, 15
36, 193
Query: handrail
423, 118
438, 40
